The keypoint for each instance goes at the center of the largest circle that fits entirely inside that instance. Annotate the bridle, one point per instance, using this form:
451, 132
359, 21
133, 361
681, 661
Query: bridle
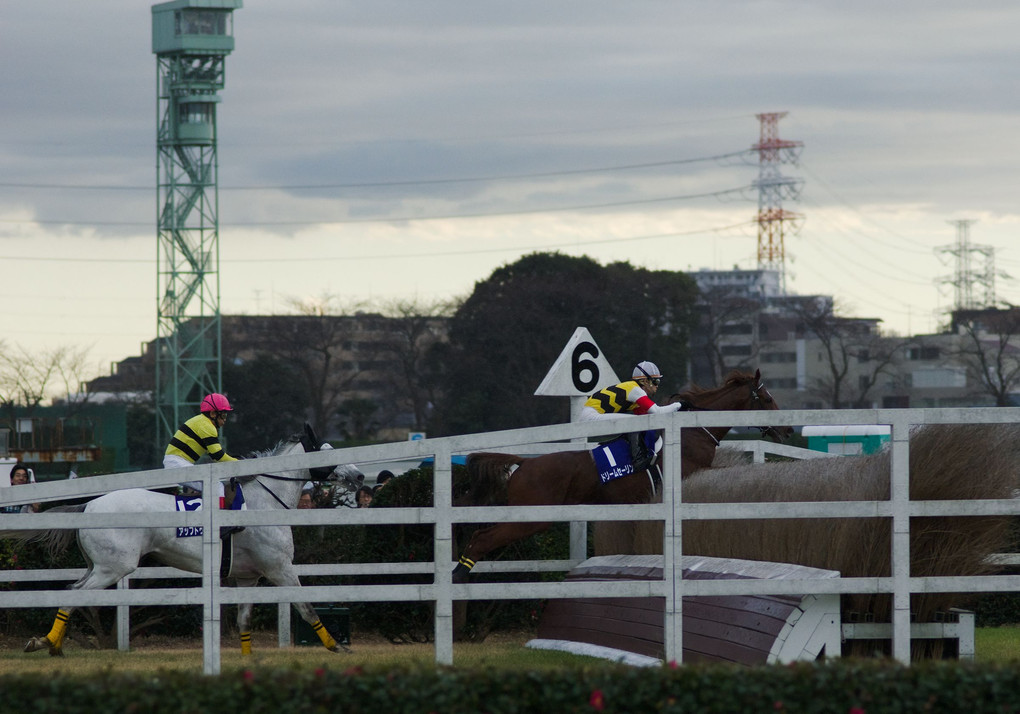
756, 386
756, 399
319, 473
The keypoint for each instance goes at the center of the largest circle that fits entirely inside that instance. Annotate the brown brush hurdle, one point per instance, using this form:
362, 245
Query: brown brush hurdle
741, 629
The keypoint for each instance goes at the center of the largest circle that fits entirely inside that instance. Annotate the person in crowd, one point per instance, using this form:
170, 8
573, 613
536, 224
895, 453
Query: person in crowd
20, 475
364, 497
383, 477
198, 436
306, 500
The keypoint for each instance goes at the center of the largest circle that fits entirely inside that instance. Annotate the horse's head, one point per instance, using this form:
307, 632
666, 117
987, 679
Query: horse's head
761, 398
347, 475
740, 391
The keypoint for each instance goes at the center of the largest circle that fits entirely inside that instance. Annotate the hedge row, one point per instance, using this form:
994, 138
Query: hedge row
854, 687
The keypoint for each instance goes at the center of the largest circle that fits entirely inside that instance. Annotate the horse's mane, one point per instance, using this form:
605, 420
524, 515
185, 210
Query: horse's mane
735, 376
274, 451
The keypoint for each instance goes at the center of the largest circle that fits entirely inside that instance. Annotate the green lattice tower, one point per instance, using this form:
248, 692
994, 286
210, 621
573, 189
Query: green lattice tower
191, 40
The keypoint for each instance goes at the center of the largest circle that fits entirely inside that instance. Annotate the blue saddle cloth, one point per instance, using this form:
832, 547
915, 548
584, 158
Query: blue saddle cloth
195, 504
612, 459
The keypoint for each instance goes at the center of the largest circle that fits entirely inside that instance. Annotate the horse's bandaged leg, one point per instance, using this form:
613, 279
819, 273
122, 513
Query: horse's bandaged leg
245, 643
463, 569
56, 636
327, 639
54, 641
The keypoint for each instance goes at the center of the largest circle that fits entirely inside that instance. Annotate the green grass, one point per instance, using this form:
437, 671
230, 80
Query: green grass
997, 644
503, 653
992, 644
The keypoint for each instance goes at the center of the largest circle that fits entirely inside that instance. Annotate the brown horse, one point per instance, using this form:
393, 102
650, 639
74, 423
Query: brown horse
571, 477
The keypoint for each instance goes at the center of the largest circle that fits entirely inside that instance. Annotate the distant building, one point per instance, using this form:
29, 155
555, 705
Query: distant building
366, 356
56, 439
746, 325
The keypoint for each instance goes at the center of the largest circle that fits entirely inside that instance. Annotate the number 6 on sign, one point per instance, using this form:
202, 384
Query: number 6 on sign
579, 370
580, 366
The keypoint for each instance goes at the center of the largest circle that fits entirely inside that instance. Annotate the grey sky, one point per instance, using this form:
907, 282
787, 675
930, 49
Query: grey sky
907, 111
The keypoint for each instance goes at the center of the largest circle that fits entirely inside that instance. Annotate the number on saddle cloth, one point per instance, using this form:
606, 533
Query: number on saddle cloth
613, 458
189, 504
195, 504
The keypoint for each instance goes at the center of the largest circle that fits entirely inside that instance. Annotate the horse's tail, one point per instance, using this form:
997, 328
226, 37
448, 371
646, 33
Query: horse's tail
488, 474
56, 540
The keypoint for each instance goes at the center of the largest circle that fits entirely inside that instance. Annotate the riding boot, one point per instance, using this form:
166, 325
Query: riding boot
639, 458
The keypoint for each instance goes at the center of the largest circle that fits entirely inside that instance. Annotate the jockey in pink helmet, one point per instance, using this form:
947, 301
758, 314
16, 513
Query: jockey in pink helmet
198, 436
215, 403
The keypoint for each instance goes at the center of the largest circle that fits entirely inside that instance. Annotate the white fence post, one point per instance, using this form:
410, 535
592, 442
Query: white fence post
672, 545
442, 500
899, 494
211, 549
124, 619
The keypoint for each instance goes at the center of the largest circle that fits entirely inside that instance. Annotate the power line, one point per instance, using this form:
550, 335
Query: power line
443, 254
407, 219
385, 184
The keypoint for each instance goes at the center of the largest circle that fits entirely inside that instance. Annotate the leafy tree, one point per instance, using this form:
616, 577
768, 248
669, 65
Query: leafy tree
509, 331
270, 402
357, 420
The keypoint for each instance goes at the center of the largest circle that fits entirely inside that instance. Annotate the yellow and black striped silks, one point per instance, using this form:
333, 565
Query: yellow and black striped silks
198, 436
613, 400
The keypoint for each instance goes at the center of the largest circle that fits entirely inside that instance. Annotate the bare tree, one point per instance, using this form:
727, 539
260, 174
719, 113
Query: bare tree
28, 378
855, 353
989, 349
415, 328
318, 343
721, 316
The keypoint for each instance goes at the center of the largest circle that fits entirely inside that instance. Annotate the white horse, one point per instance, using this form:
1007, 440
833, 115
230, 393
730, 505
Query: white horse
258, 551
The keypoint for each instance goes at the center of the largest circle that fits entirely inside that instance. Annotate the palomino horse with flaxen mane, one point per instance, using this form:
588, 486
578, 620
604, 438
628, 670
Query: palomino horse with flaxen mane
258, 551
571, 477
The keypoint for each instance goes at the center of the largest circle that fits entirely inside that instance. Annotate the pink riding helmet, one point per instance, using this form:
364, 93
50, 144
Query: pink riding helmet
215, 403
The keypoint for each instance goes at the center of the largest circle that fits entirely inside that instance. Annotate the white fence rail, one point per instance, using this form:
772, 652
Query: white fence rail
672, 511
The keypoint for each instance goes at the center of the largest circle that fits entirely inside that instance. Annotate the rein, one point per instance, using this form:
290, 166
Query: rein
282, 478
756, 387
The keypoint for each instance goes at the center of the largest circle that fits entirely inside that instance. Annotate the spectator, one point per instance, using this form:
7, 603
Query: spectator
384, 476
364, 497
306, 500
20, 475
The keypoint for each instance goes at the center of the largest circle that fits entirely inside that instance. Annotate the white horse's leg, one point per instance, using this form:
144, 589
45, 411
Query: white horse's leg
97, 577
286, 576
119, 561
244, 616
54, 641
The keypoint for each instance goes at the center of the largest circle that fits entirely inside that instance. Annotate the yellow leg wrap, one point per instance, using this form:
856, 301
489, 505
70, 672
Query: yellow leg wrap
245, 643
327, 639
56, 636
466, 562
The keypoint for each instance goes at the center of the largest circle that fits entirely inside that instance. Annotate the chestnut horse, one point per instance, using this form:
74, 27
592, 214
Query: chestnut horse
571, 477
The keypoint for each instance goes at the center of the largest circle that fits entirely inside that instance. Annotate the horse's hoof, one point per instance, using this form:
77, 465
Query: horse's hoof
38, 643
56, 651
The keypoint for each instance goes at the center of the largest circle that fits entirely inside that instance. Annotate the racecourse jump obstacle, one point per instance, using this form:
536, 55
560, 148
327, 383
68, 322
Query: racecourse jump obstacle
898, 509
